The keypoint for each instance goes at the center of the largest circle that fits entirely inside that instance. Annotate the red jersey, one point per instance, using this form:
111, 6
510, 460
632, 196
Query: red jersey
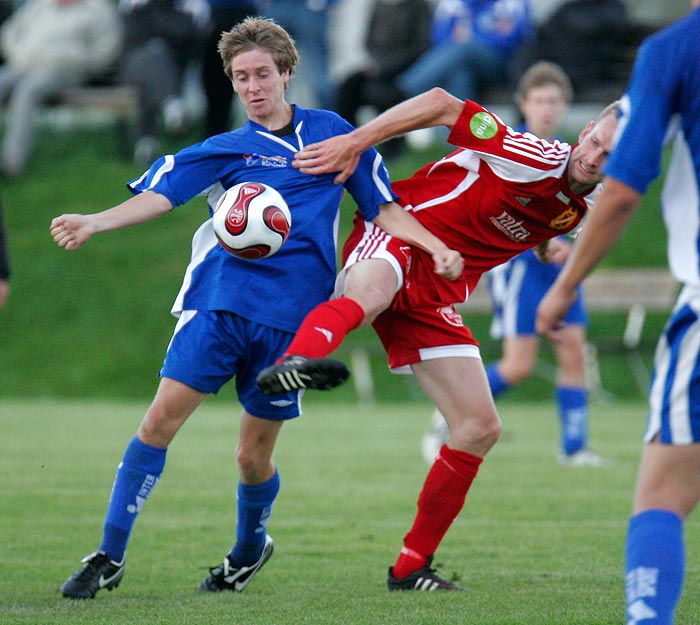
501, 193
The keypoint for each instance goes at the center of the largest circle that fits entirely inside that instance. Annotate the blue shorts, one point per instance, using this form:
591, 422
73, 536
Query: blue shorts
517, 287
208, 348
674, 392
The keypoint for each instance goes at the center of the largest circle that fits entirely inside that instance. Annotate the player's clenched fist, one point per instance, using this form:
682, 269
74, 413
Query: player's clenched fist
448, 264
71, 231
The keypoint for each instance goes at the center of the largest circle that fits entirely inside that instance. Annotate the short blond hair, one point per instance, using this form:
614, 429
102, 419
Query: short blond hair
544, 73
611, 109
259, 32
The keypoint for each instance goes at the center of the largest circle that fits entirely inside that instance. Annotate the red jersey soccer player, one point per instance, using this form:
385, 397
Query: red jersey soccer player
499, 194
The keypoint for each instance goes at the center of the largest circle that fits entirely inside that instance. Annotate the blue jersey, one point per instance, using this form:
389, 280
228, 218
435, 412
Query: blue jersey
663, 102
277, 291
501, 24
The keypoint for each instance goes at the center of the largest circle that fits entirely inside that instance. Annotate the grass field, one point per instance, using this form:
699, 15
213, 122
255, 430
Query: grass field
536, 544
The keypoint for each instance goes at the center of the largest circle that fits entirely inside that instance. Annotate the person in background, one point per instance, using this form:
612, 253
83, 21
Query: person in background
7, 8
498, 194
216, 86
4, 263
662, 103
308, 22
543, 96
162, 37
48, 45
472, 42
226, 326
588, 39
398, 33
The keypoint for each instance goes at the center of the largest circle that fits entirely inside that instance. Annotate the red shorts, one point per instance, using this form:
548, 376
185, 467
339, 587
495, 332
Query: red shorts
422, 322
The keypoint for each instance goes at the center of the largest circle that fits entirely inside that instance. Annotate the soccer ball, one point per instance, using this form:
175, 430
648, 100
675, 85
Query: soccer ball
252, 220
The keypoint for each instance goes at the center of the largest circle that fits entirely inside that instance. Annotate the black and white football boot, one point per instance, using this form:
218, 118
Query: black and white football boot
294, 373
425, 580
225, 576
99, 572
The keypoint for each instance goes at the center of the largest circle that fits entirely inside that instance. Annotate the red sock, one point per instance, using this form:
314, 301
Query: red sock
325, 328
439, 503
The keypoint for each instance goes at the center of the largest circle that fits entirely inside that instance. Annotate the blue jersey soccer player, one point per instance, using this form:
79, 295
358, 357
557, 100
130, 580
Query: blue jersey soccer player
236, 316
662, 102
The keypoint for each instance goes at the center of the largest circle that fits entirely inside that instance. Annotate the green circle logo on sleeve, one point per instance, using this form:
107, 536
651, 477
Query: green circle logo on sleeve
483, 125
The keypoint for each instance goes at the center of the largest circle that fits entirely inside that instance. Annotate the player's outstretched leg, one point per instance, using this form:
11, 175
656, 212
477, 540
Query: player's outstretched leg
294, 373
99, 572
227, 576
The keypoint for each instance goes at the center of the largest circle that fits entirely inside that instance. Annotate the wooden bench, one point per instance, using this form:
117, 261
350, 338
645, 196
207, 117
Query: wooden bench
119, 102
633, 291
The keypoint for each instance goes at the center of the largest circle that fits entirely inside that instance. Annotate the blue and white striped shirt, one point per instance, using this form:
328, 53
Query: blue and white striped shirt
662, 103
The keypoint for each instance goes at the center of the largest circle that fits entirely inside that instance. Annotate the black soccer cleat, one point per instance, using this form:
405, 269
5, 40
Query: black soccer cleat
227, 577
99, 572
297, 372
425, 579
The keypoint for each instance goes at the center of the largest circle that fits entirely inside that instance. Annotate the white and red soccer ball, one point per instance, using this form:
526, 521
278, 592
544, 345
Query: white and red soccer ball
252, 220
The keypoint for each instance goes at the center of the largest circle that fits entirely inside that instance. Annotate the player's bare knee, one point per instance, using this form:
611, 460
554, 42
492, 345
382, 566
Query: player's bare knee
158, 428
492, 431
476, 434
514, 370
374, 299
487, 431
250, 465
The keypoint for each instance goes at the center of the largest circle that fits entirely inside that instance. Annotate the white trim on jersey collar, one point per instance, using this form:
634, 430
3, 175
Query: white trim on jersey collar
282, 142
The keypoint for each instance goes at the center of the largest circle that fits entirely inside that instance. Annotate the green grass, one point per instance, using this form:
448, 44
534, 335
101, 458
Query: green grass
535, 545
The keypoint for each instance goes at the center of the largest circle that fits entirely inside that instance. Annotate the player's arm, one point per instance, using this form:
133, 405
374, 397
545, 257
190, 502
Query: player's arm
342, 153
402, 225
72, 230
605, 223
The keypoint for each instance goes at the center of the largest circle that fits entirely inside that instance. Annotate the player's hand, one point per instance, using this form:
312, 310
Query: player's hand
552, 309
337, 154
71, 231
553, 251
4, 292
448, 263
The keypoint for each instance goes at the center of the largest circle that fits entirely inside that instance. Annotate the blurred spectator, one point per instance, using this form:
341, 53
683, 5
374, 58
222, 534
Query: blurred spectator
472, 44
161, 38
4, 264
587, 38
398, 33
49, 45
7, 7
217, 86
308, 22
543, 95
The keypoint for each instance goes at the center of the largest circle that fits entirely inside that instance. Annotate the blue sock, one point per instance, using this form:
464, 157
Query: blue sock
254, 507
496, 382
655, 567
573, 417
137, 475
